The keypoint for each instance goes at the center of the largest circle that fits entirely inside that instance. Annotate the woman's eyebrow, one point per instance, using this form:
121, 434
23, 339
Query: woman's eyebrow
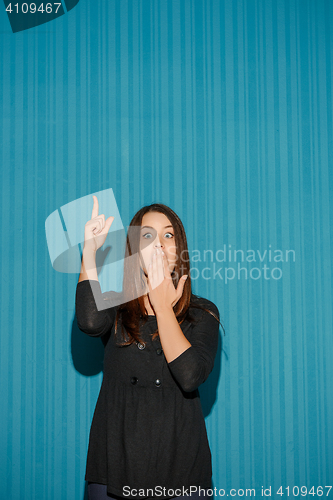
149, 227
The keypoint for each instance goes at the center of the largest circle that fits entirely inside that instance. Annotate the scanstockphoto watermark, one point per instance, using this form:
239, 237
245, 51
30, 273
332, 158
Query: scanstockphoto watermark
163, 492
239, 264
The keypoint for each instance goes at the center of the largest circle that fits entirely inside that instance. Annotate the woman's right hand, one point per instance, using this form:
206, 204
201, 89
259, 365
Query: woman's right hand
96, 229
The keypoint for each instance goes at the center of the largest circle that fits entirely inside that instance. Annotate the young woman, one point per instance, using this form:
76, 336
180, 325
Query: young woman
148, 437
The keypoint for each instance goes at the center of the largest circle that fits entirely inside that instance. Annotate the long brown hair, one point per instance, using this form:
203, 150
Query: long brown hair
133, 310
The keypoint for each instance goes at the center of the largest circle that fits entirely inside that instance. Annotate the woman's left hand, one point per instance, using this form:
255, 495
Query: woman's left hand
162, 293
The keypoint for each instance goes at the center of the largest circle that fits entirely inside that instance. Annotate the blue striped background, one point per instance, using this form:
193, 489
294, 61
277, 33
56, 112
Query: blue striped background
223, 111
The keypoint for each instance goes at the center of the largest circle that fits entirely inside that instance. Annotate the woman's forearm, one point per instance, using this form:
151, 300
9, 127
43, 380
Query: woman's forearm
88, 266
173, 341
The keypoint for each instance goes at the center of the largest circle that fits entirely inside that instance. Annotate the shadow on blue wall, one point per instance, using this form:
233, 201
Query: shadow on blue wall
87, 355
87, 352
208, 390
85, 493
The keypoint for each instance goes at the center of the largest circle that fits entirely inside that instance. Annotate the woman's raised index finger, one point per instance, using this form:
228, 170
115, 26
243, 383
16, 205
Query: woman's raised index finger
95, 208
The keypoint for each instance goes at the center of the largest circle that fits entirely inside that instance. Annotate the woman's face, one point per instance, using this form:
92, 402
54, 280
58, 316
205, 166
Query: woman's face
157, 231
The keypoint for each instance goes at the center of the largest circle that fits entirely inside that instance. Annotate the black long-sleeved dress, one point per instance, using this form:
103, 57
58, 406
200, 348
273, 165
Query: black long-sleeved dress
148, 429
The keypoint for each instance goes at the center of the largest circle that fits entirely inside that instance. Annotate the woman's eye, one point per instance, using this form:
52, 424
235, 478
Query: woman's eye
149, 235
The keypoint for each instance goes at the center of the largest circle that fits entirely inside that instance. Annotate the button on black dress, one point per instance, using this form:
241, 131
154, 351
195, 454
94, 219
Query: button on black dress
148, 429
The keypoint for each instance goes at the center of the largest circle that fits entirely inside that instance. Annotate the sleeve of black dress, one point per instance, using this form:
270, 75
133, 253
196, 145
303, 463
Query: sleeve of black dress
193, 366
93, 320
